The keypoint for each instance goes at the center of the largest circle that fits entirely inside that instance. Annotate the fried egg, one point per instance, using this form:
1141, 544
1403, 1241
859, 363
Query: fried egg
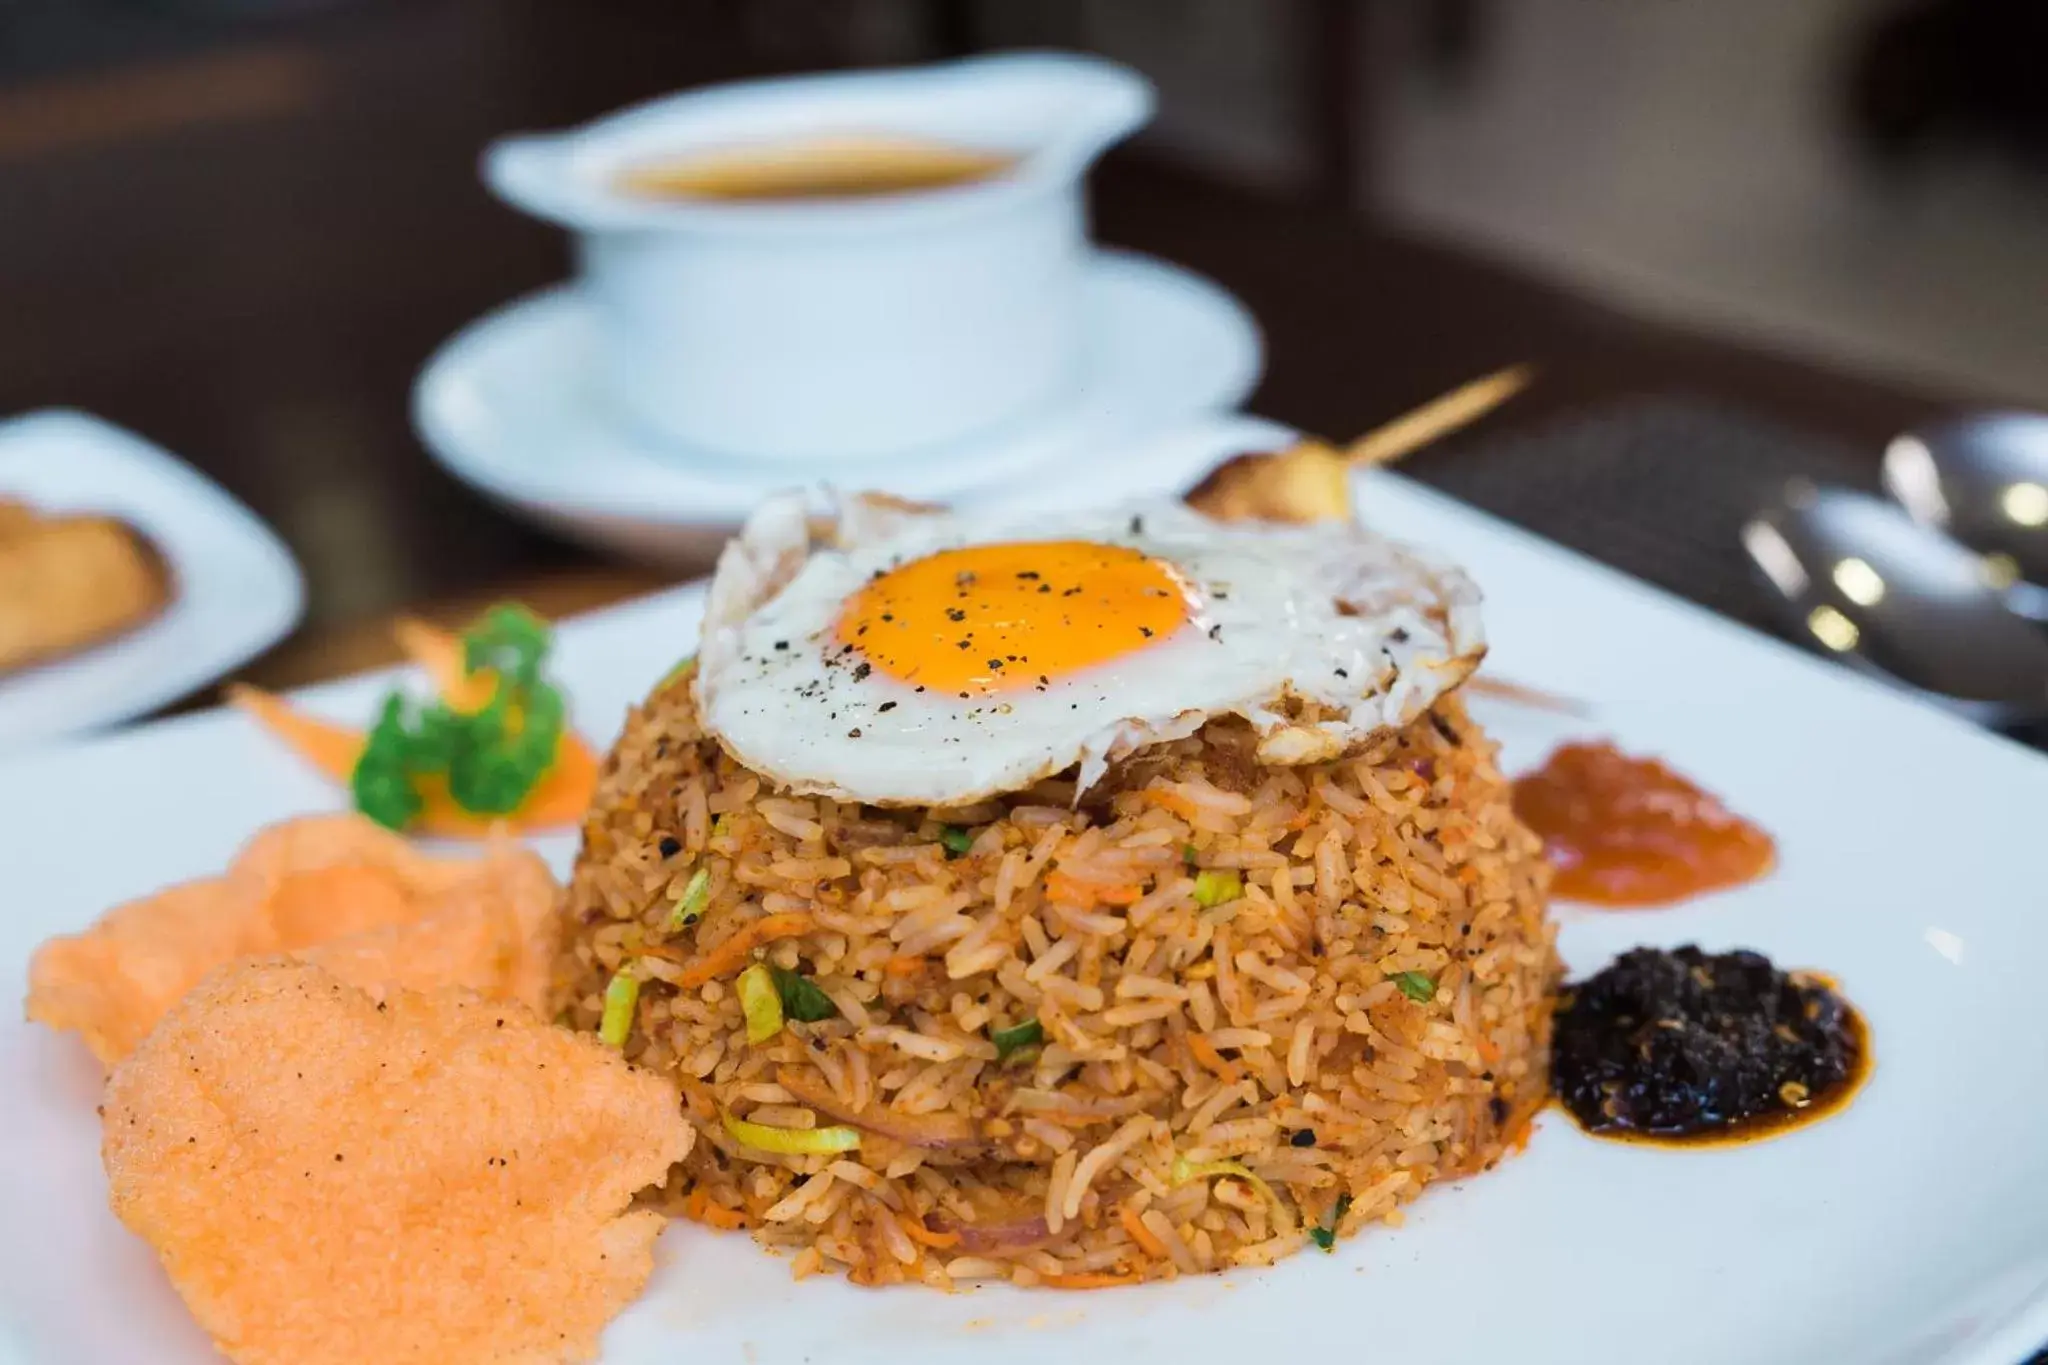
904, 656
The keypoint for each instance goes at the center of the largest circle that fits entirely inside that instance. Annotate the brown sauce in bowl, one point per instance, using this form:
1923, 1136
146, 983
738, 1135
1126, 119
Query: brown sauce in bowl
1630, 832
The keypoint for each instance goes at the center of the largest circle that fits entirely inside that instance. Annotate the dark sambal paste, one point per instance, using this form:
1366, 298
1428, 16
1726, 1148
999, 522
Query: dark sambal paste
1624, 831
1685, 1045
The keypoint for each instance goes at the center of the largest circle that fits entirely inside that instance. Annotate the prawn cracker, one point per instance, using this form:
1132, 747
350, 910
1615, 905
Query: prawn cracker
340, 889
328, 1177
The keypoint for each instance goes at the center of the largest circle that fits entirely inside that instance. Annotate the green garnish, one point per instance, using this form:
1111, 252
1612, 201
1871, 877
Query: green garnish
382, 783
621, 998
683, 665
690, 906
760, 1002
956, 840
491, 758
1325, 1236
792, 1141
511, 642
1009, 1041
1188, 856
1416, 986
502, 752
801, 998
1215, 887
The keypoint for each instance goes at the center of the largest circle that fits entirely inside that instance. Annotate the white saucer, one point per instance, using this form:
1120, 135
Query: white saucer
235, 588
509, 406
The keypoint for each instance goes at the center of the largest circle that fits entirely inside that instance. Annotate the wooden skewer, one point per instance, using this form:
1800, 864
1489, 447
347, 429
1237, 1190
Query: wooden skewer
1439, 417
1433, 421
1521, 694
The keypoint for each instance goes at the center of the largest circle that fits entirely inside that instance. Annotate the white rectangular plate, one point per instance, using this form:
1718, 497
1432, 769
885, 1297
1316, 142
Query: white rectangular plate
235, 589
1913, 1227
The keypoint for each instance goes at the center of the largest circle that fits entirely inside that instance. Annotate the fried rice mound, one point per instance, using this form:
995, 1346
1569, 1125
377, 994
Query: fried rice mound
331, 1178
1206, 1014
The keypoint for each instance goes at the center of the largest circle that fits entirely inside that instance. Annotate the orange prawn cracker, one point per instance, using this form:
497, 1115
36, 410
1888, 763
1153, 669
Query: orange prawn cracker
429, 1178
338, 890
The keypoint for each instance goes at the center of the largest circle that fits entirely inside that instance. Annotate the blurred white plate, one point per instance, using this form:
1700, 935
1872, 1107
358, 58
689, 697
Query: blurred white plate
510, 406
1911, 1229
235, 588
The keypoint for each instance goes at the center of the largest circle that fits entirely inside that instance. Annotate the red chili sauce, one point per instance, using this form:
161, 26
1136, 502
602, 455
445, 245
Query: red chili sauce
1630, 832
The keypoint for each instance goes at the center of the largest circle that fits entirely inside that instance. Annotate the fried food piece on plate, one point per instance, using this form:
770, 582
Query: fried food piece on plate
430, 1177
67, 582
336, 889
1308, 482
1311, 482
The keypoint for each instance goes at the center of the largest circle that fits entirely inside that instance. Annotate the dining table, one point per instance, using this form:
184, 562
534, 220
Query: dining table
247, 254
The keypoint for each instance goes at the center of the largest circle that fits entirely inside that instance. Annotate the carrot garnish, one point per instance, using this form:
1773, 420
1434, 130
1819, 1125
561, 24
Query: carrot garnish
438, 653
332, 749
904, 964
491, 751
558, 800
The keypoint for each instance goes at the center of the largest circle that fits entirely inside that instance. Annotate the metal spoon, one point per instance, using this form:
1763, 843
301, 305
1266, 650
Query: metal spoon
1983, 480
1854, 574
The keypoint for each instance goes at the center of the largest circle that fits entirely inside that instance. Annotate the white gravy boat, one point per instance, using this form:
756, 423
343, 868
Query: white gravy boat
808, 331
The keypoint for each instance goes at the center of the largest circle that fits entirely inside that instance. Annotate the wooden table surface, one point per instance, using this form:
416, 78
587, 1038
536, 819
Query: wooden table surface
255, 284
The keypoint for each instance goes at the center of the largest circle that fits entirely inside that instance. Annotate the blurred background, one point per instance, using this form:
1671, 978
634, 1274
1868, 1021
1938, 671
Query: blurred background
1740, 240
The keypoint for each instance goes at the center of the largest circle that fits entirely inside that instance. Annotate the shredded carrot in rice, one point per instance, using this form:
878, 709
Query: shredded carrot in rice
914, 1228
699, 1208
904, 964
1171, 800
1073, 891
1090, 1281
732, 954
1205, 1052
1147, 1240
723, 1218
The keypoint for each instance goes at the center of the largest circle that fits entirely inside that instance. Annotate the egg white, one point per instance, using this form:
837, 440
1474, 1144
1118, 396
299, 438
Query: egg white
1368, 632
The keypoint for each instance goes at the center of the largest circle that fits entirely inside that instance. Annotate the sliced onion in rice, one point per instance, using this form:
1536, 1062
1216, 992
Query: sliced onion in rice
987, 1239
929, 1131
1185, 1170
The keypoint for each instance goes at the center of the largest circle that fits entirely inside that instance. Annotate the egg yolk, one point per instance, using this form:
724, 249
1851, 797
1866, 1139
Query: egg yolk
1004, 618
